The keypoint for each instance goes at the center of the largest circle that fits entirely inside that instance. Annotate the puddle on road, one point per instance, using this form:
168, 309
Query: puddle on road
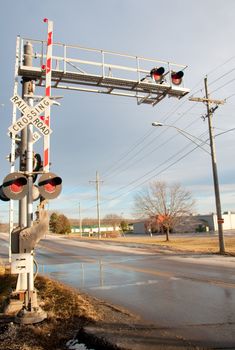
88, 275
177, 300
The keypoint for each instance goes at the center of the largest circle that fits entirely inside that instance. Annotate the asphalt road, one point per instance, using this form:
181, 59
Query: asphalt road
193, 296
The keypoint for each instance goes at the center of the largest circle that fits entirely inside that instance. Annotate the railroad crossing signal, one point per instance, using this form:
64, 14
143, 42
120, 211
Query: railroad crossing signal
49, 185
15, 186
157, 74
176, 77
30, 115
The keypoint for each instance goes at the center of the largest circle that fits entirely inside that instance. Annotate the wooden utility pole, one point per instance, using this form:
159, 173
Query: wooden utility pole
97, 182
80, 219
210, 112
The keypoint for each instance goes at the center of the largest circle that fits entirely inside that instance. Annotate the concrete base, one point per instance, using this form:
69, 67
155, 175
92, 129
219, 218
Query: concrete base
30, 317
23, 306
13, 307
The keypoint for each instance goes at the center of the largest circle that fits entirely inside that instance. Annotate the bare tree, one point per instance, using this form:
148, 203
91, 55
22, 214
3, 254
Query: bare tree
167, 204
113, 220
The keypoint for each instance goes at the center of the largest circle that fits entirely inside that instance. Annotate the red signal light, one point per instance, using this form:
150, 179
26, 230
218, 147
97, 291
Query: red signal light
157, 74
49, 185
17, 185
14, 186
176, 77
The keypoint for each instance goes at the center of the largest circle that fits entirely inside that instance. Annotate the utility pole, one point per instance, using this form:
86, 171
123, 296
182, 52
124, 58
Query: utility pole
97, 182
210, 112
80, 219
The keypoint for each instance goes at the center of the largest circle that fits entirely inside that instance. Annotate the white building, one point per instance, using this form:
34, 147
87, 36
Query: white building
90, 229
211, 221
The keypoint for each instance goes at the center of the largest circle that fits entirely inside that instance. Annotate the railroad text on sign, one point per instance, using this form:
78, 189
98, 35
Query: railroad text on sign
30, 115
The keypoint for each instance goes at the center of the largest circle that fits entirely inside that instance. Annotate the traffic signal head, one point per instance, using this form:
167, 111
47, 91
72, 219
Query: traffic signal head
176, 77
157, 74
15, 186
50, 185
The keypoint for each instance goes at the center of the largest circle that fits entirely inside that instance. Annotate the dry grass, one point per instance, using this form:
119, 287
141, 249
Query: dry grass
61, 301
195, 244
67, 312
190, 244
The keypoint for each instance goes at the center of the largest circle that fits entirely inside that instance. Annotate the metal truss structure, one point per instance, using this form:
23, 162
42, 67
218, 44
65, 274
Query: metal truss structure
99, 71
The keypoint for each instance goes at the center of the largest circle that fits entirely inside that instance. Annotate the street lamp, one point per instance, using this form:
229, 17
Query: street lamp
186, 134
215, 175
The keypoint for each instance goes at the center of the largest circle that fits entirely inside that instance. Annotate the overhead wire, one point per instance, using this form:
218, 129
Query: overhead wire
149, 133
166, 168
153, 150
222, 86
125, 154
116, 166
222, 76
166, 116
180, 157
138, 151
152, 176
149, 172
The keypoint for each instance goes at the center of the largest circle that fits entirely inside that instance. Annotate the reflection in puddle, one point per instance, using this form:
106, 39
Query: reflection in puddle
78, 274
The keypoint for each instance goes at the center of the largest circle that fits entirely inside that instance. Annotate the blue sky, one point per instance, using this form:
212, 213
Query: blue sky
113, 135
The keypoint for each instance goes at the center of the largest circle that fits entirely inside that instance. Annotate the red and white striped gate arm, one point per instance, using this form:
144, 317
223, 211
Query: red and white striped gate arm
46, 150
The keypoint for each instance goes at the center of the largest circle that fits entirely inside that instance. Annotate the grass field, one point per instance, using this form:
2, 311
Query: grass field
197, 244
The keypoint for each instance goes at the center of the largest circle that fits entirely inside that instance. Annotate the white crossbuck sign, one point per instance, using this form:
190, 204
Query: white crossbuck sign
30, 115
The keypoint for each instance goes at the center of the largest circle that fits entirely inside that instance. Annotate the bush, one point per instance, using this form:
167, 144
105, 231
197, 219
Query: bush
59, 224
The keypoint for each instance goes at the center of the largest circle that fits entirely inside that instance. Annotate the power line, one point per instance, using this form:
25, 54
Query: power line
166, 116
160, 172
229, 97
220, 65
153, 150
220, 87
159, 165
214, 70
221, 77
125, 154
118, 168
156, 174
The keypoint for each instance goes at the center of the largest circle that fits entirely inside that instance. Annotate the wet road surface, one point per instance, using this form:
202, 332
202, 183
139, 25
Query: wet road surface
191, 295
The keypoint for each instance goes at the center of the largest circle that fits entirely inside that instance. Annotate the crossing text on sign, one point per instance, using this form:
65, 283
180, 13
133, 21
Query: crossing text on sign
30, 115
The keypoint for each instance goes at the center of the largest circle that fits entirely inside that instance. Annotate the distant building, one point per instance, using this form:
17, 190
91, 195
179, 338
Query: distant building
194, 223
211, 221
90, 229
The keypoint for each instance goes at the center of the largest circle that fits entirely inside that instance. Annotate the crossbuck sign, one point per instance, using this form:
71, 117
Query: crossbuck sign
30, 115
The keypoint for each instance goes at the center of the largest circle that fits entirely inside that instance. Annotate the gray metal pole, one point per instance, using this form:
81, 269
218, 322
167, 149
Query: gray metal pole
23, 203
215, 173
29, 168
28, 59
